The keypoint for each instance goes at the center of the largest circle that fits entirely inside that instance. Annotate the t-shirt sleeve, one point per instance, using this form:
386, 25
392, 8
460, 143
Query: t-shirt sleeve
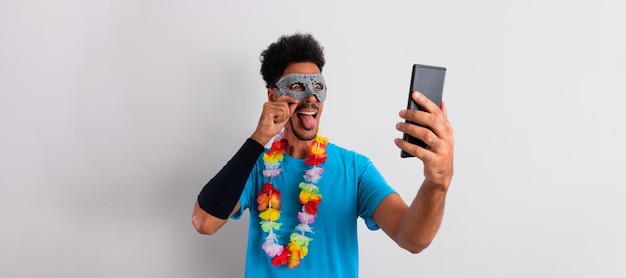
372, 190
243, 200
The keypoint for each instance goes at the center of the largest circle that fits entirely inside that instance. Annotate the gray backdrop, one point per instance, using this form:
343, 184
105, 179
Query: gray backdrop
114, 114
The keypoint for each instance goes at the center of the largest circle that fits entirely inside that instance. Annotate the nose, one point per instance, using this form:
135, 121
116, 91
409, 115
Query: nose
311, 98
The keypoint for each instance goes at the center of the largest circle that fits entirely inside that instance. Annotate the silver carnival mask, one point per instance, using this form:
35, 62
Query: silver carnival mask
301, 86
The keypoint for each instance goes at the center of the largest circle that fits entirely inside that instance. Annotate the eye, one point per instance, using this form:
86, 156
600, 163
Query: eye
318, 86
296, 87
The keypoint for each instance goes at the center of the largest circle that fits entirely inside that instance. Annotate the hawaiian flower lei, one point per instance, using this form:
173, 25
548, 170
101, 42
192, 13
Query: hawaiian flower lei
309, 197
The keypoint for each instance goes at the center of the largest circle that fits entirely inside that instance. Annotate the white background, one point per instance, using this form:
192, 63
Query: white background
114, 114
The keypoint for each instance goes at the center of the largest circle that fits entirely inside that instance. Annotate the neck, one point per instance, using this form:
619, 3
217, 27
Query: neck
297, 148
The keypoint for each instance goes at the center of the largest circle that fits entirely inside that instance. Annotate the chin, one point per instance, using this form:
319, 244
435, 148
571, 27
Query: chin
300, 132
305, 135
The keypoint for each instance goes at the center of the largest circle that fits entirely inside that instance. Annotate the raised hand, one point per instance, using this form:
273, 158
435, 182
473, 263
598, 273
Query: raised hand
273, 118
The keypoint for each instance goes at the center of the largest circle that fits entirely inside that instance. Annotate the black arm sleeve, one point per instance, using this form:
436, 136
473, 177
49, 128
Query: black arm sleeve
220, 195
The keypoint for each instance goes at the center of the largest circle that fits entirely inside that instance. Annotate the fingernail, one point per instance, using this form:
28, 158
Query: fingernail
417, 94
402, 113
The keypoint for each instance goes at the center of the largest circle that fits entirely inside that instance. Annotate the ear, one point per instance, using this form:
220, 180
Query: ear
271, 95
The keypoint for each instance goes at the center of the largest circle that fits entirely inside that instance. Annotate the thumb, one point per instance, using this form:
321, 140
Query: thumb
292, 107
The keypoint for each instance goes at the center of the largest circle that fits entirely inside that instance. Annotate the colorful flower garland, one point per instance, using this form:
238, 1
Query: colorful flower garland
309, 197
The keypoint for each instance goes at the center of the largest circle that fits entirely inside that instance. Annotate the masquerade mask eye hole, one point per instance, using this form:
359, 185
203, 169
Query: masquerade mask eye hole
318, 86
296, 87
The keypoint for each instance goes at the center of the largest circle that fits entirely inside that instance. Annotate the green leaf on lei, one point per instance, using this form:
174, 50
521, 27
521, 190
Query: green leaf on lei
309, 187
300, 239
266, 226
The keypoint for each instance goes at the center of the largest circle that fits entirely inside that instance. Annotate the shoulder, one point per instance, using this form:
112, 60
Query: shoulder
341, 150
344, 154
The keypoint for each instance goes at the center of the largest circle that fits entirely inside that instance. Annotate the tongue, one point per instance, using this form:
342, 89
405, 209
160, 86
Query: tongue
307, 121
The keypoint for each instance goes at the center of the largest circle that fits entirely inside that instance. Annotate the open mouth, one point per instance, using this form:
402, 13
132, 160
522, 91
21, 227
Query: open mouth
308, 113
308, 119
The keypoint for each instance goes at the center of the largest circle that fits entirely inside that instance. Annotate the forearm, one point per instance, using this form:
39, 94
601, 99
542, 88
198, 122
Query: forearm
220, 195
422, 220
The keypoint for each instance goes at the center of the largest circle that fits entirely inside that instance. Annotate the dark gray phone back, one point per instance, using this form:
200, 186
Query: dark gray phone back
428, 80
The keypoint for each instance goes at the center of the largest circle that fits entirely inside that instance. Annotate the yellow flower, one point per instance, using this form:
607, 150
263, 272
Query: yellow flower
297, 249
273, 158
294, 259
270, 214
317, 150
294, 246
305, 197
304, 250
322, 139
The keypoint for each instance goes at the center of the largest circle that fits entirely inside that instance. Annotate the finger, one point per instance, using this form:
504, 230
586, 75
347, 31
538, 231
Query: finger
423, 101
282, 111
291, 102
426, 112
422, 133
292, 108
415, 150
444, 108
437, 122
444, 129
417, 116
288, 99
281, 114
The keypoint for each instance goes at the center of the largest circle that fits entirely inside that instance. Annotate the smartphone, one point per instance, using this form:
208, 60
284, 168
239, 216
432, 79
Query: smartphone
428, 80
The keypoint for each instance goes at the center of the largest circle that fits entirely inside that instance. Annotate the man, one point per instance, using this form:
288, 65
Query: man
304, 193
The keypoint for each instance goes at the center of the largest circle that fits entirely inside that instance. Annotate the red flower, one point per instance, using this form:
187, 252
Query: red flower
281, 259
277, 146
315, 159
311, 206
268, 188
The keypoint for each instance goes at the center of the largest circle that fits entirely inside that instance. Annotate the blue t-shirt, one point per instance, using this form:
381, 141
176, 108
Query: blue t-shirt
351, 187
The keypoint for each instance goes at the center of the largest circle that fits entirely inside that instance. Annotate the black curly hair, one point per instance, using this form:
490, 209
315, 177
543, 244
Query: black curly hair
288, 49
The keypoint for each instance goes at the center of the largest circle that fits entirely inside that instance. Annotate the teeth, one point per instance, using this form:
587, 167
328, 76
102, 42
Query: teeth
307, 113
